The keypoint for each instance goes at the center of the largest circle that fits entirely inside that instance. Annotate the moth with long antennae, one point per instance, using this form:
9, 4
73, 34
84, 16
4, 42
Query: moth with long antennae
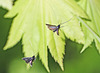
55, 28
29, 60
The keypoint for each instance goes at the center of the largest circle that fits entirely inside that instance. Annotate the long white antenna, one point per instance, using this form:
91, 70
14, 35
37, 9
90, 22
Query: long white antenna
66, 21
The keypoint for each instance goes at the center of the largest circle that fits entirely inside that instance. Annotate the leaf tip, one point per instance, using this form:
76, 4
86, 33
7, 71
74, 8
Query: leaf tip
62, 68
83, 49
61, 65
47, 68
5, 48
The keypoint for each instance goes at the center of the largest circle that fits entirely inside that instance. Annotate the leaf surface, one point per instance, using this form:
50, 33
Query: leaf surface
31, 17
6, 4
92, 8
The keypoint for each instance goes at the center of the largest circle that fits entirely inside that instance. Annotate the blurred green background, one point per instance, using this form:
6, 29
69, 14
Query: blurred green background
74, 62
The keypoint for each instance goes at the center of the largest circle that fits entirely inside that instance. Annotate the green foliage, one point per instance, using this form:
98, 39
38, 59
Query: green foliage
91, 28
74, 62
30, 17
56, 48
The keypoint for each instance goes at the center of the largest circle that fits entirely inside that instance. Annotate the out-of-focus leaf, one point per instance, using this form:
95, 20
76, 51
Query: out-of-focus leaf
29, 23
6, 4
88, 38
92, 8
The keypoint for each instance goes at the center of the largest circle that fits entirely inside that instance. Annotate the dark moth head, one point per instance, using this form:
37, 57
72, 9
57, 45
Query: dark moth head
58, 26
33, 58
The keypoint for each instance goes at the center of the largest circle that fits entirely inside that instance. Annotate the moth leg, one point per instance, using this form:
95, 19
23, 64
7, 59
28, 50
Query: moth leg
57, 32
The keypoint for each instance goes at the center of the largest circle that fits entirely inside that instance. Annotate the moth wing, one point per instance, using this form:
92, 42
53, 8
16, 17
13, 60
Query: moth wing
52, 27
27, 59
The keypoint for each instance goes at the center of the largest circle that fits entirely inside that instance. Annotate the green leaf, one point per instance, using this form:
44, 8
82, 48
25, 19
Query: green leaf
73, 31
88, 34
74, 8
88, 38
97, 45
91, 28
43, 54
29, 24
57, 46
6, 4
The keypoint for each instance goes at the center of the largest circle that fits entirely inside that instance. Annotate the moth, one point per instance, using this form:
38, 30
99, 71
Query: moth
29, 60
55, 28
